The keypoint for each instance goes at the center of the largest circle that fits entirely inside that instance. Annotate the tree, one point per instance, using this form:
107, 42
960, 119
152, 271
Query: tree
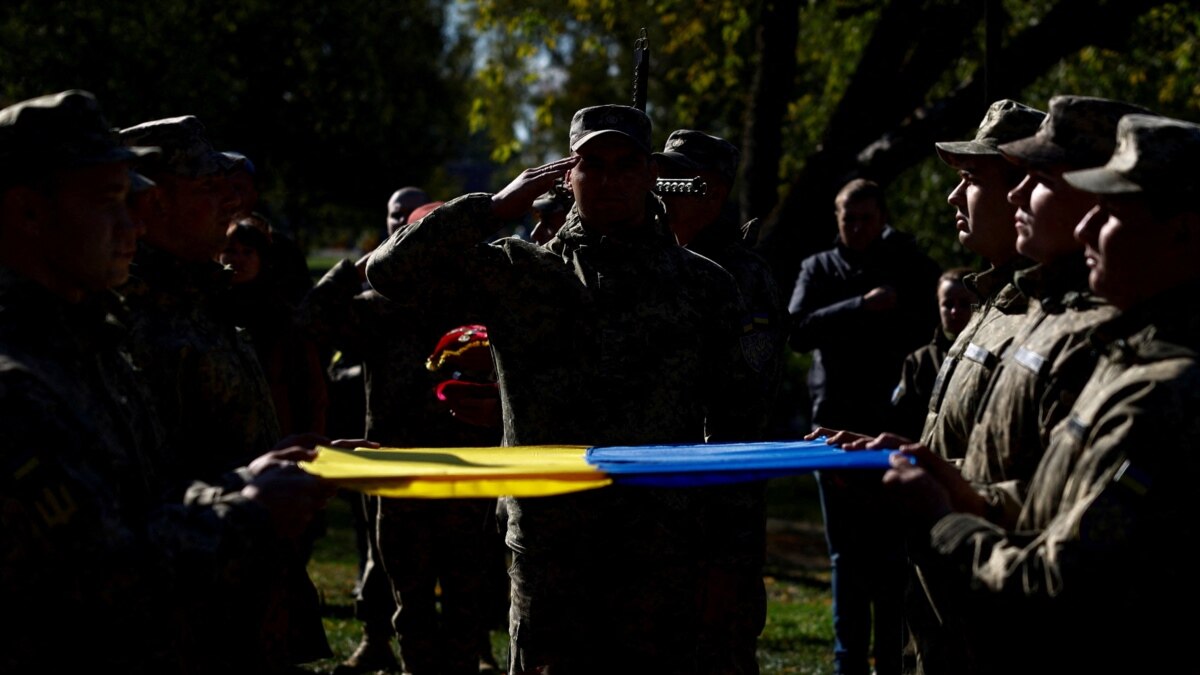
338, 104
837, 90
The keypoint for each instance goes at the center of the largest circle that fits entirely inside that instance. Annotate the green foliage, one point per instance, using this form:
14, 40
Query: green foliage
338, 104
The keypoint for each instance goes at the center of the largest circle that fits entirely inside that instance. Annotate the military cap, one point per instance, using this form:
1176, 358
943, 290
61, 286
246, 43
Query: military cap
1078, 130
186, 150
1006, 120
630, 122
60, 131
1154, 154
699, 151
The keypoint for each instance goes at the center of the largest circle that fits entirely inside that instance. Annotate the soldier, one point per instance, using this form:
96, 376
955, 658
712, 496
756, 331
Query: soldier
984, 220
414, 543
733, 517
1090, 579
1050, 357
910, 399
210, 392
610, 334
90, 553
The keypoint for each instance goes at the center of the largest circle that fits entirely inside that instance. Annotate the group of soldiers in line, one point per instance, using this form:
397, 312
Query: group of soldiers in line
147, 494
1043, 506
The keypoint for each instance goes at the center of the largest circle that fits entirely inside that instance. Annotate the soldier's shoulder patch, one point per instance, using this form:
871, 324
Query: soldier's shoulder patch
758, 348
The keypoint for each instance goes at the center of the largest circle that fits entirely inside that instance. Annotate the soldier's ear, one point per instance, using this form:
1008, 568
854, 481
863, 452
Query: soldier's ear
567, 179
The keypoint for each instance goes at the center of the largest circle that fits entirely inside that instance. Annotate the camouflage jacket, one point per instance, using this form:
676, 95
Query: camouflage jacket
1036, 382
205, 379
910, 398
393, 341
1107, 510
765, 328
972, 359
596, 341
89, 547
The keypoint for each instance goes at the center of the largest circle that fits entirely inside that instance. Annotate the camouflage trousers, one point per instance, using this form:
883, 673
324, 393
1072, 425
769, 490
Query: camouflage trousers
447, 545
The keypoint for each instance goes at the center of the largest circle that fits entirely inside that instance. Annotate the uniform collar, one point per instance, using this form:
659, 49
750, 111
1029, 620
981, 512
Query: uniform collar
1058, 284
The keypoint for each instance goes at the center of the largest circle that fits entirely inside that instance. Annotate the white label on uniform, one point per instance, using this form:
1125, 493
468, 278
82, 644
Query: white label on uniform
978, 354
1030, 359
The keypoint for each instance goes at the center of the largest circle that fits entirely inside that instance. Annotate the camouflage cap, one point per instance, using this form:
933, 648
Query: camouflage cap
1154, 154
1006, 120
60, 131
186, 150
699, 151
1080, 131
630, 122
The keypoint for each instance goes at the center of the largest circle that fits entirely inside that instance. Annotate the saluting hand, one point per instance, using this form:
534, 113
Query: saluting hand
517, 197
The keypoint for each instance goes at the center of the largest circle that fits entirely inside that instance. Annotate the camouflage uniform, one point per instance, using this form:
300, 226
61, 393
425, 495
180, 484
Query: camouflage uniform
419, 543
1092, 579
910, 399
207, 384
972, 359
1036, 382
596, 342
733, 517
90, 554
214, 403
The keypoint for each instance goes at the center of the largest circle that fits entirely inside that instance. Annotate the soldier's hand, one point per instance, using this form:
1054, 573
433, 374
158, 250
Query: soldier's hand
884, 441
515, 200
290, 495
819, 432
924, 497
846, 439
963, 496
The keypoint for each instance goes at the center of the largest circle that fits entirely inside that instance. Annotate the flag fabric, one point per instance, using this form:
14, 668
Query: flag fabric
542, 470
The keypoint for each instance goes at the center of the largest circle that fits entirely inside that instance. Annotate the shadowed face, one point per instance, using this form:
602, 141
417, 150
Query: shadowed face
860, 223
197, 213
611, 182
954, 305
89, 239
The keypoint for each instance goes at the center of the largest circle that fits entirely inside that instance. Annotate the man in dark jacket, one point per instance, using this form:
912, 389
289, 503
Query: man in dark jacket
861, 307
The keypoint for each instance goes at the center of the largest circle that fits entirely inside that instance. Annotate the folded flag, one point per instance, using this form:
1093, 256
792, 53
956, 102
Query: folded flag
541, 470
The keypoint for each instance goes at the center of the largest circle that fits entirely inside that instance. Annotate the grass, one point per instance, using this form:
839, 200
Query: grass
798, 637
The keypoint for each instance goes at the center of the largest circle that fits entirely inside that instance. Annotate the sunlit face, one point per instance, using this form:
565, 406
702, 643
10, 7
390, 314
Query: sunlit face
1047, 211
198, 211
954, 305
1123, 244
242, 259
90, 239
860, 223
611, 182
984, 216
